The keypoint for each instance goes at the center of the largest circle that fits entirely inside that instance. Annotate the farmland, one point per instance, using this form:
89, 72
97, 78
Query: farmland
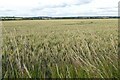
71, 48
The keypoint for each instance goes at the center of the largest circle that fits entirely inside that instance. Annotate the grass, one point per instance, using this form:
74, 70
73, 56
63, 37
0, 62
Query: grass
60, 49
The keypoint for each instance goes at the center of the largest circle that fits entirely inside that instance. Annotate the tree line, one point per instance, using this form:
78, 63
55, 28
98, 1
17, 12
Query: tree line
48, 18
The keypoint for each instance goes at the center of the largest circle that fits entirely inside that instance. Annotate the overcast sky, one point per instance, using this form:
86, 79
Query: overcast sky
58, 8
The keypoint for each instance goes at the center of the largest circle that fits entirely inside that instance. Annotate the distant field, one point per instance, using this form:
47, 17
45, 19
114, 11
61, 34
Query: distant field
83, 48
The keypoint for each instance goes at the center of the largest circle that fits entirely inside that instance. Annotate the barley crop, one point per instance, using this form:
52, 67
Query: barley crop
60, 49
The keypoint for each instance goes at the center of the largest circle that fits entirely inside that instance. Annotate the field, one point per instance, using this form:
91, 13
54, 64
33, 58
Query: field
84, 48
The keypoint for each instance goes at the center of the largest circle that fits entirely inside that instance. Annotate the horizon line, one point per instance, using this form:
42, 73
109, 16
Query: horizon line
58, 16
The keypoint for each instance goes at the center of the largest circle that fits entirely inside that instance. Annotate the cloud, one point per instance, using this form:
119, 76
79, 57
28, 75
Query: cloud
6, 10
58, 7
59, 4
108, 10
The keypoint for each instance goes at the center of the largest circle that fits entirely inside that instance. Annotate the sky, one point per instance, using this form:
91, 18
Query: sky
58, 8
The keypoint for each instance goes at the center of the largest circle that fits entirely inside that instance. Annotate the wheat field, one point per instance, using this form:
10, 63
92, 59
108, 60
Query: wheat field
71, 48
